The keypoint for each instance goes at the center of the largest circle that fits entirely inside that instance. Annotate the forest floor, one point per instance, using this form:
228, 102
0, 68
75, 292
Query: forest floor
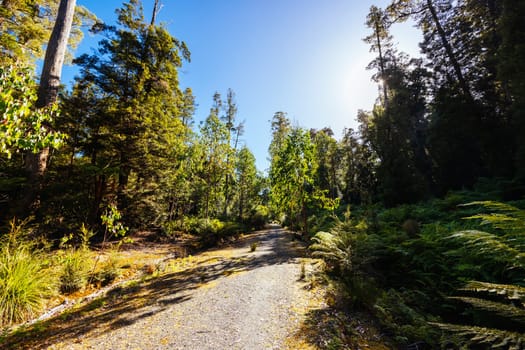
224, 298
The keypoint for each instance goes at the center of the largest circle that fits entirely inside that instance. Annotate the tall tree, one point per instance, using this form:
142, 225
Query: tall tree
511, 72
246, 179
356, 171
234, 132
134, 76
36, 163
396, 129
380, 42
216, 149
327, 159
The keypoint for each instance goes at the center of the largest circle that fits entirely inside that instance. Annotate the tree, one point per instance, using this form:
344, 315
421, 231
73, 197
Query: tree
356, 171
380, 41
511, 73
134, 77
294, 192
327, 159
36, 163
280, 129
216, 150
461, 42
22, 125
233, 140
246, 179
396, 130
26, 26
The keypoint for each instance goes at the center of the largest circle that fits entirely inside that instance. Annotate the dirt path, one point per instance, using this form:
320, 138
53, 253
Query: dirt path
222, 299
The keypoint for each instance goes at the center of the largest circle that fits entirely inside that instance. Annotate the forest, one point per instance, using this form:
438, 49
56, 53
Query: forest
419, 214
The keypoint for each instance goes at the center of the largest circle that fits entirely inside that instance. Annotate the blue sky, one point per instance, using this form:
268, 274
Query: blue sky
303, 57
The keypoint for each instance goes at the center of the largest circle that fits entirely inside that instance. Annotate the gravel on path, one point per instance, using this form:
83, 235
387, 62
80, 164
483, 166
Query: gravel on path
236, 299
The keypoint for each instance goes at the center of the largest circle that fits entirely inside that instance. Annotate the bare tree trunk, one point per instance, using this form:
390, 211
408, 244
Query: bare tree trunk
36, 163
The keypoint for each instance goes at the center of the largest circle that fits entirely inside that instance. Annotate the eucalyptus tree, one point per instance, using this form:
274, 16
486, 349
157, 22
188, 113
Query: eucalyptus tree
380, 42
214, 140
36, 162
234, 131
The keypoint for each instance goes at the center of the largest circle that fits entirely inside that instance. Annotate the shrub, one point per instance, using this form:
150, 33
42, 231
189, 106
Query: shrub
25, 278
107, 273
75, 261
342, 247
74, 272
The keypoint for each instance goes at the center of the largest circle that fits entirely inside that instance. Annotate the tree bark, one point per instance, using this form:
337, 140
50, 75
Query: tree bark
36, 163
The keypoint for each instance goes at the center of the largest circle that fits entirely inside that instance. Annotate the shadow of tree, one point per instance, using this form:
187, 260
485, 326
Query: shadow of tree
123, 306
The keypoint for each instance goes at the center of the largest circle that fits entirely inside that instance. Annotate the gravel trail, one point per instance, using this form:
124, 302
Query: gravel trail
233, 299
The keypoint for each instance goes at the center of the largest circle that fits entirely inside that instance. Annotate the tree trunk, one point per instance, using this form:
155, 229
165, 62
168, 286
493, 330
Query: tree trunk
381, 66
36, 163
450, 52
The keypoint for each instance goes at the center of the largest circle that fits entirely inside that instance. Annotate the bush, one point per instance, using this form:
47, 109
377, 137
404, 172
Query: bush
25, 278
108, 272
73, 276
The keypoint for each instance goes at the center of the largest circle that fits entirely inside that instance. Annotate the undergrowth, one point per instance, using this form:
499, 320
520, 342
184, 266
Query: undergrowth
430, 275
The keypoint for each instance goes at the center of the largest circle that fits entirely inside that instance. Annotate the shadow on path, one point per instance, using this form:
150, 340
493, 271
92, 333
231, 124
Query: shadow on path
124, 306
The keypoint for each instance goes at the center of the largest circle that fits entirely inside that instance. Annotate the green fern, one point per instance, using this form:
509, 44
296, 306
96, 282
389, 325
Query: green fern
489, 245
505, 217
342, 247
334, 248
509, 292
504, 246
507, 244
507, 311
488, 337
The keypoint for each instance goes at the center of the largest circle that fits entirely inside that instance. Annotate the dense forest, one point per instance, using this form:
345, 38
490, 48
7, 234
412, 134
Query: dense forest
418, 214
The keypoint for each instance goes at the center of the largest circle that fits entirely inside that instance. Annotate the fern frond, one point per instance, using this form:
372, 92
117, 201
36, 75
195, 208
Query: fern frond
492, 205
485, 243
495, 338
510, 292
332, 248
507, 311
505, 217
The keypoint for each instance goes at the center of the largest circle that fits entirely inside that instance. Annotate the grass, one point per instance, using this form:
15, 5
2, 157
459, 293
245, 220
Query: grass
25, 278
